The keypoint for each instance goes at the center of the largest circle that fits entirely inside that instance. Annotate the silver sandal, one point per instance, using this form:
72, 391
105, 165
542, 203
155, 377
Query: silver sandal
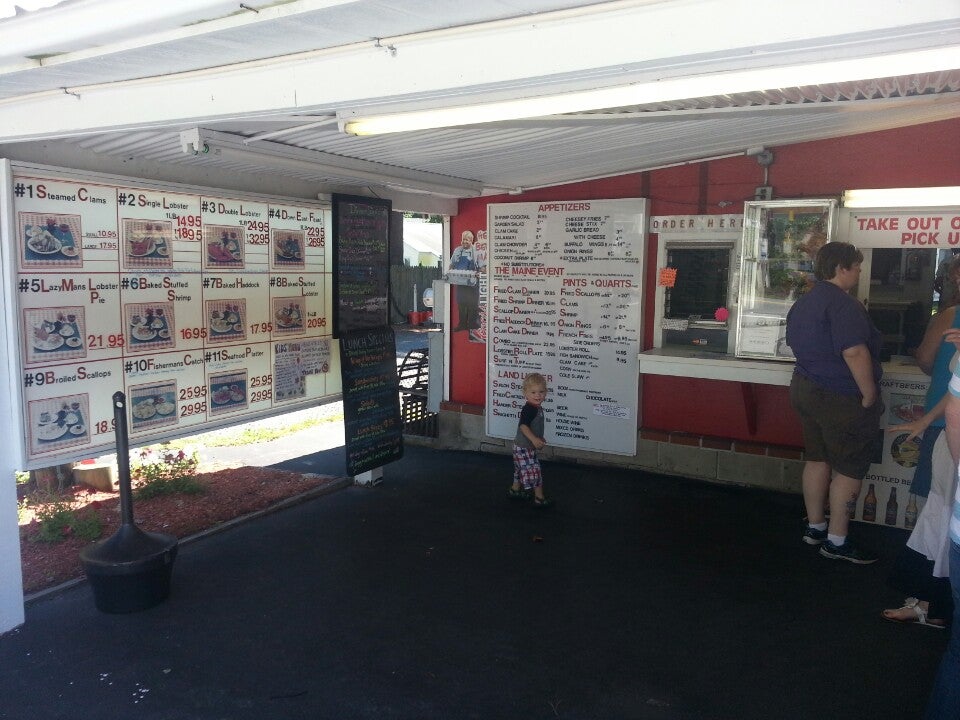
920, 615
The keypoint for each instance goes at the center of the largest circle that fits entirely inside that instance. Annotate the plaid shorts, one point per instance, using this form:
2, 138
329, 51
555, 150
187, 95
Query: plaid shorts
526, 468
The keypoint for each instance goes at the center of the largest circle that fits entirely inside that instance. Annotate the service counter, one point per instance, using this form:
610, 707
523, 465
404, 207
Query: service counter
678, 362
902, 390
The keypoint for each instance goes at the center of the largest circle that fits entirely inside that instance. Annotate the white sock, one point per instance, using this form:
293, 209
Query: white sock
837, 539
817, 526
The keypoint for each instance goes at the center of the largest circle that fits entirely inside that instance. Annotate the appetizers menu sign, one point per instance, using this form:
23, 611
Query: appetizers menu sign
361, 252
565, 283
371, 399
203, 309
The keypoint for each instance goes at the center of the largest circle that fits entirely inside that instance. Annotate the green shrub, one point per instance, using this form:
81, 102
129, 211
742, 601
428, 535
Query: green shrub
59, 521
153, 473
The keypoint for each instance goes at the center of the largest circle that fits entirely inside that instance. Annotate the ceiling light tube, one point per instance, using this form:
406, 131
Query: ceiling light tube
902, 197
725, 83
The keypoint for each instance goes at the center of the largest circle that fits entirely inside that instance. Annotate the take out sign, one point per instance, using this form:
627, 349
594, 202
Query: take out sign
917, 229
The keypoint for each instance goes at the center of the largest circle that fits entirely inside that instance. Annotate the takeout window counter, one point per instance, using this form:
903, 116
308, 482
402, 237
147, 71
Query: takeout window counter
728, 290
723, 297
905, 250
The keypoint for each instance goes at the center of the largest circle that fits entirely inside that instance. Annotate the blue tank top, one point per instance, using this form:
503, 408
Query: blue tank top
940, 377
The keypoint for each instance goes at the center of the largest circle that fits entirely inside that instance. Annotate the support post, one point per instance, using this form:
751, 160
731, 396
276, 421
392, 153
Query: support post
369, 478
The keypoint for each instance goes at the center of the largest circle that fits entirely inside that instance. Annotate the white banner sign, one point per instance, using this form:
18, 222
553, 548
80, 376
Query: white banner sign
565, 290
899, 229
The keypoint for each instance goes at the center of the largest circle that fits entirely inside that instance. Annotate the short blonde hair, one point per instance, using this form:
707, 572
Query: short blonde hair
534, 380
466, 235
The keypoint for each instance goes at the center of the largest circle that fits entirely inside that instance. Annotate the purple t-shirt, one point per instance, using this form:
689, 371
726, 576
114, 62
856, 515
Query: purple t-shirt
820, 326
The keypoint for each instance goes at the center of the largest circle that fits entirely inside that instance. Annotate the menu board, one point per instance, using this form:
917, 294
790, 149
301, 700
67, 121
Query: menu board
205, 310
371, 399
361, 251
565, 289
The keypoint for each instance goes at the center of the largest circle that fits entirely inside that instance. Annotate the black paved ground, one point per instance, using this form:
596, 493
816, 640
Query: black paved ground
432, 596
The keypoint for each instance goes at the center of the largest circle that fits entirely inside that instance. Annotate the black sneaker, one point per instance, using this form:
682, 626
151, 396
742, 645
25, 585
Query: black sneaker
848, 551
812, 536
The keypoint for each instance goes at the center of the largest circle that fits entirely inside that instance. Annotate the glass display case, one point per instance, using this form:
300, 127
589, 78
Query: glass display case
780, 240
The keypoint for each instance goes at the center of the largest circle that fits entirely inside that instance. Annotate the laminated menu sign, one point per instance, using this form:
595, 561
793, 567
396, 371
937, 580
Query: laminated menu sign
371, 399
565, 284
361, 280
184, 301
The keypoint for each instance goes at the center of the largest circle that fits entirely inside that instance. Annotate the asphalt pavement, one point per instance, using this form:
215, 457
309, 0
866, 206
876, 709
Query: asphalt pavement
431, 595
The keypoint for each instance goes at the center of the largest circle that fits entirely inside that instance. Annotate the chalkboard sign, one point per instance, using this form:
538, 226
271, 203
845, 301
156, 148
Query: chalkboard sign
371, 399
361, 263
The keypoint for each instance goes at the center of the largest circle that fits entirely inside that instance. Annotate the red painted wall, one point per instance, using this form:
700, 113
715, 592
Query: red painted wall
922, 155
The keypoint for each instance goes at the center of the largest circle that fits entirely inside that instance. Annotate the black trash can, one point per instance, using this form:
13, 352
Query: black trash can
130, 570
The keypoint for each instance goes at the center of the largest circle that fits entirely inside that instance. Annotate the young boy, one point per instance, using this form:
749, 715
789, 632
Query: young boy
526, 468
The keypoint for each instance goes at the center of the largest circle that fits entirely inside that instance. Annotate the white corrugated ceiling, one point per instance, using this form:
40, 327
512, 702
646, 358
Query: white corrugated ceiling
264, 81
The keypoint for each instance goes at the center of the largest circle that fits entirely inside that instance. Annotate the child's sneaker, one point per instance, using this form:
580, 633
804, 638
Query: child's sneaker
542, 502
848, 551
812, 536
518, 494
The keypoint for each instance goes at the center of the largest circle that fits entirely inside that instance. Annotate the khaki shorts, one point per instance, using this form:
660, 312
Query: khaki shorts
837, 429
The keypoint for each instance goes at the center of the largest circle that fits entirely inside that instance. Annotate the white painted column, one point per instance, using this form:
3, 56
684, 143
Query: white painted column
11, 575
11, 578
370, 477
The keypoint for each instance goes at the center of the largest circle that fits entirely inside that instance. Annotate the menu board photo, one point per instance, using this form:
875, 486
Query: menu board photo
205, 310
373, 429
565, 288
361, 257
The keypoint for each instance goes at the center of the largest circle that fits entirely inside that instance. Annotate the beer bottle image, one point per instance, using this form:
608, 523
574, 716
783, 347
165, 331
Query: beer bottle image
892, 508
870, 505
910, 516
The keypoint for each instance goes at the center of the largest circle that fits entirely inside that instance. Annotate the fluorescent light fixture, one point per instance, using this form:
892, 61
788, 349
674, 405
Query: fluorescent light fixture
721, 83
902, 197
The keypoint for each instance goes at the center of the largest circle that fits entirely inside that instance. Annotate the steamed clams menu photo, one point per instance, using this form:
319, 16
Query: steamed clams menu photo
50, 241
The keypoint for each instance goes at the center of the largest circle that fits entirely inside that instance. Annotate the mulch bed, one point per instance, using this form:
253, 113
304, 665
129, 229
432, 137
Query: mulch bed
228, 493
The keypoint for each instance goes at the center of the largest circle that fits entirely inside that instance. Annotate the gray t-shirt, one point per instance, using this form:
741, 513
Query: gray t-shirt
532, 417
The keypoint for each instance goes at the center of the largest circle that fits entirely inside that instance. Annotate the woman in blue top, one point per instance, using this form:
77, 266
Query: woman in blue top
929, 600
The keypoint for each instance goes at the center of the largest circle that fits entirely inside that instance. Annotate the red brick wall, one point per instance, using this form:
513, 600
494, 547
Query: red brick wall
922, 155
